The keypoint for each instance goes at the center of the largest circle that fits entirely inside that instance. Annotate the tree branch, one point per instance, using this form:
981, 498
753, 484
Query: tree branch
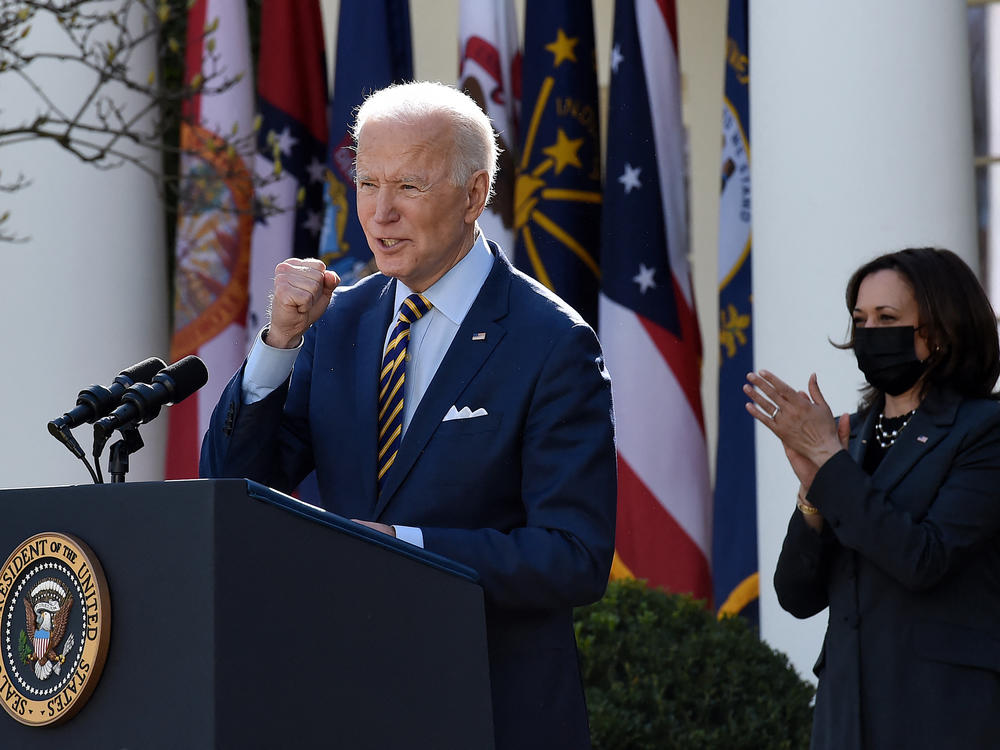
99, 127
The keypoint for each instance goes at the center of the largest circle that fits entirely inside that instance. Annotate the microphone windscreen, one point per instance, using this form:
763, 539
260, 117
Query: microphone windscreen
188, 375
145, 371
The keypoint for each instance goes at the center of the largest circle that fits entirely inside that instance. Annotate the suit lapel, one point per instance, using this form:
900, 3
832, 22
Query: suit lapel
926, 428
462, 361
370, 337
861, 435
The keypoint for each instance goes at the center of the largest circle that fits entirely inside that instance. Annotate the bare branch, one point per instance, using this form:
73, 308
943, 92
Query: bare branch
124, 115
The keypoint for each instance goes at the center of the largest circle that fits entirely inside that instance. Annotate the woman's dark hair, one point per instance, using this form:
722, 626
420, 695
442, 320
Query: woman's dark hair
955, 318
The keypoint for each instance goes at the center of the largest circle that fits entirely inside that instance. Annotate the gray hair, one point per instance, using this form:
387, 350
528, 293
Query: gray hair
474, 138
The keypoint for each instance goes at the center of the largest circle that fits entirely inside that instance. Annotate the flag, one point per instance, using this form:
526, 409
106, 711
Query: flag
558, 195
215, 221
373, 50
734, 529
490, 72
648, 325
291, 145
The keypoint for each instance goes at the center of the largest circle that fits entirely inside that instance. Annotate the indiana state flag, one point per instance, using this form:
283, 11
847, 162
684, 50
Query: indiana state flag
557, 197
374, 49
734, 535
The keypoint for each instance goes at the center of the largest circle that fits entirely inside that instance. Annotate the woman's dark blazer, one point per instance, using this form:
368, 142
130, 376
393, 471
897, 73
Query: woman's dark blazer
909, 564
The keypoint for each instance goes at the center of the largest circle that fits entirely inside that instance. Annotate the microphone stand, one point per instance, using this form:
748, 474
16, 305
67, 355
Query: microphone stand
120, 451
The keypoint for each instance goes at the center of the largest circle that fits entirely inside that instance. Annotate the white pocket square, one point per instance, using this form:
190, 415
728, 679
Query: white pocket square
464, 413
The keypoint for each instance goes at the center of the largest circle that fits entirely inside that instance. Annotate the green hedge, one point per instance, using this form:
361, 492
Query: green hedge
660, 671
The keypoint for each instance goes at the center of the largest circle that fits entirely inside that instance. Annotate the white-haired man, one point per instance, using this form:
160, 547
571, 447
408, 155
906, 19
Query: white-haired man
466, 409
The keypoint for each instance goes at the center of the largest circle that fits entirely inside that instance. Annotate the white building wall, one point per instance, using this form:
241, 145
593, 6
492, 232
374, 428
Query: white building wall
85, 295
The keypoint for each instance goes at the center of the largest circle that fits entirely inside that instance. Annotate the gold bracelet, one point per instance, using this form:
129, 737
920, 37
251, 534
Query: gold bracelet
803, 505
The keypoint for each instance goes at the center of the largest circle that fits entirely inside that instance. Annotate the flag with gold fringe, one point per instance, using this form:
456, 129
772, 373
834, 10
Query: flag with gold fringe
734, 529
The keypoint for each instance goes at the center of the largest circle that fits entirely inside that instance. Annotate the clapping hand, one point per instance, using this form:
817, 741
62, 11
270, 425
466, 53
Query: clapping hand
802, 421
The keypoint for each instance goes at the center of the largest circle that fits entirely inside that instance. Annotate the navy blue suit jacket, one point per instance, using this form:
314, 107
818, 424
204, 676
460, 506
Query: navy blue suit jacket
525, 495
909, 566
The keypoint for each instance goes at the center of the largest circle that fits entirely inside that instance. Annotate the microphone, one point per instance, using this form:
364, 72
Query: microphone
142, 401
96, 401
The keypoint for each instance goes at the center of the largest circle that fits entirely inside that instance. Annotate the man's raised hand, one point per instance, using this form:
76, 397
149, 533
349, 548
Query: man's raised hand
302, 290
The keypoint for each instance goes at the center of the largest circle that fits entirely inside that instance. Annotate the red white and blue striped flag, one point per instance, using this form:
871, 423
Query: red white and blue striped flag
648, 324
291, 144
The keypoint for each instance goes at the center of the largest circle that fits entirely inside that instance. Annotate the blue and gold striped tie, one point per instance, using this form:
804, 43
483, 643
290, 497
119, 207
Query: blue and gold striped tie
391, 378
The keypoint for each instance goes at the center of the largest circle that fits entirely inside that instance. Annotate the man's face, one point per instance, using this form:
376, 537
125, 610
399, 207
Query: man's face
418, 224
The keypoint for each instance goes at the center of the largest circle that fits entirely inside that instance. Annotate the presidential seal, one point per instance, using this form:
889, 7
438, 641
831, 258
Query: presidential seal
55, 626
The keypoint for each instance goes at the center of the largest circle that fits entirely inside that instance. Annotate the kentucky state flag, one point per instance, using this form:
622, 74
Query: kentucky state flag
734, 536
374, 49
557, 196
648, 325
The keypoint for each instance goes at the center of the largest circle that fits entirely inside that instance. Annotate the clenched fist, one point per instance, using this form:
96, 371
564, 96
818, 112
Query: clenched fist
302, 290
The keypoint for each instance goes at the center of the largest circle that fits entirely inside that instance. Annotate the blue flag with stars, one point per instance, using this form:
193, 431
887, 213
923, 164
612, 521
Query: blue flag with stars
374, 49
648, 325
734, 535
557, 195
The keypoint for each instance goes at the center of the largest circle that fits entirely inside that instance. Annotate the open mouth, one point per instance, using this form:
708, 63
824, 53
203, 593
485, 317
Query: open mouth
386, 242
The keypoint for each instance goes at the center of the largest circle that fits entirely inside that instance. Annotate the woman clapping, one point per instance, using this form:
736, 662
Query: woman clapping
897, 525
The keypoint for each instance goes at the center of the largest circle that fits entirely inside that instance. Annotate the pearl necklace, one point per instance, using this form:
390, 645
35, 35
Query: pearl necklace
886, 437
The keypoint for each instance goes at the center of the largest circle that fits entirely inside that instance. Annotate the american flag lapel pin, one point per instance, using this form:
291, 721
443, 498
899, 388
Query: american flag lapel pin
481, 336
921, 438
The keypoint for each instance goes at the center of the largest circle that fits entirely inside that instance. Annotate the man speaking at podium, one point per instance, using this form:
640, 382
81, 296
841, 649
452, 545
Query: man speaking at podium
448, 400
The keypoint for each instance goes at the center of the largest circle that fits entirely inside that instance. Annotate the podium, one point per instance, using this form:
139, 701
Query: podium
243, 618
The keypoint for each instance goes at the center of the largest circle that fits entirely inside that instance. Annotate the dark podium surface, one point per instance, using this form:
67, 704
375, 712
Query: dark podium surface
241, 618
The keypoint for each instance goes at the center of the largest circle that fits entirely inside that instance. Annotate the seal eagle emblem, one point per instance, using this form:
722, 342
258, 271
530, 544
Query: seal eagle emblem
54, 628
46, 613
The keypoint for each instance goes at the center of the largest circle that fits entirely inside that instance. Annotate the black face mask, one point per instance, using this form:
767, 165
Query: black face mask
887, 358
